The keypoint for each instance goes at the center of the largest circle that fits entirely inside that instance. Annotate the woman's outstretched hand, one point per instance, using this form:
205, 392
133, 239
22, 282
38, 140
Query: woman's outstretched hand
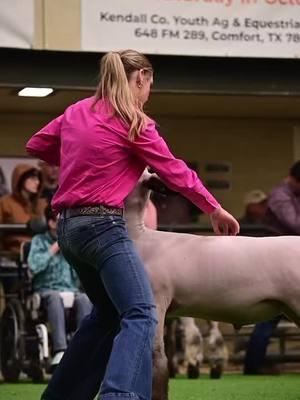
224, 223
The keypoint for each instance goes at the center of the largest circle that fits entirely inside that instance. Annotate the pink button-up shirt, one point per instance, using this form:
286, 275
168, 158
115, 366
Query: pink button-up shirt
100, 165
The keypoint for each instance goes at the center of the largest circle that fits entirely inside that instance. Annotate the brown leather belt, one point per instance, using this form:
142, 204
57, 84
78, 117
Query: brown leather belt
92, 211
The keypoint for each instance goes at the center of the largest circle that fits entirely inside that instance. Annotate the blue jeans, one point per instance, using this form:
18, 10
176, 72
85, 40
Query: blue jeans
55, 309
113, 346
257, 347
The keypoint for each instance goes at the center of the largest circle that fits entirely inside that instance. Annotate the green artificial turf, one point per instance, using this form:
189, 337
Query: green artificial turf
230, 387
20, 391
237, 387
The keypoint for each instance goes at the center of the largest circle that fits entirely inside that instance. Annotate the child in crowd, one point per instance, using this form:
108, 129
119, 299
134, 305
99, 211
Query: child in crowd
52, 277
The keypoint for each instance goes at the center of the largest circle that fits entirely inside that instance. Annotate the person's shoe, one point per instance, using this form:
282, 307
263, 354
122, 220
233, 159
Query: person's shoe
55, 361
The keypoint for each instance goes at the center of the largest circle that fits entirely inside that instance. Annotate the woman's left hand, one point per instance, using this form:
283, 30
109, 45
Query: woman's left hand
224, 223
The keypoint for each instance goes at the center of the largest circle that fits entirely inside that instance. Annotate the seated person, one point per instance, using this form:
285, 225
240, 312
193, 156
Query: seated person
253, 222
23, 204
256, 202
283, 213
52, 275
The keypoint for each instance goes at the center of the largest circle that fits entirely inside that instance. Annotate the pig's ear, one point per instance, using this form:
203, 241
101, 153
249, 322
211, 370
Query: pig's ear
156, 184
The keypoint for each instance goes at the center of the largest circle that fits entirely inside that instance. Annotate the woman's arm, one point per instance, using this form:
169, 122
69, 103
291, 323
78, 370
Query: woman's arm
153, 150
45, 144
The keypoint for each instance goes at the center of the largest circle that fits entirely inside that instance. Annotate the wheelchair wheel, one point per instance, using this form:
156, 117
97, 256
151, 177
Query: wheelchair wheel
12, 340
2, 299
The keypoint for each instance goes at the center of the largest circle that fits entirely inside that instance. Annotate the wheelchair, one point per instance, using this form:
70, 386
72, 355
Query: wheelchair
25, 340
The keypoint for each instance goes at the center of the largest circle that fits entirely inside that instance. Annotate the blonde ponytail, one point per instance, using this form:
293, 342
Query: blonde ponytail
115, 71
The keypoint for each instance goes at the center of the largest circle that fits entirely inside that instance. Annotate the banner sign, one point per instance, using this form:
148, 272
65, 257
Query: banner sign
242, 28
16, 23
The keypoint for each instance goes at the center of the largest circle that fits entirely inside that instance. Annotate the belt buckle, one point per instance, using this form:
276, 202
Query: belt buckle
103, 210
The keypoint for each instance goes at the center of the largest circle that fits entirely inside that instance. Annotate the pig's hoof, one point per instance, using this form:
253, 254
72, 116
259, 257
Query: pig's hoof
193, 371
216, 372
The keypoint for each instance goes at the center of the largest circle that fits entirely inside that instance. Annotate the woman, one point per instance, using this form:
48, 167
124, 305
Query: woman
23, 204
103, 144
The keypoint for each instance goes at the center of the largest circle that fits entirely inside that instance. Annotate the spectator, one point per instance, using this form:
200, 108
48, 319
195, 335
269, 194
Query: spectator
283, 218
23, 204
253, 222
255, 207
50, 175
3, 186
51, 276
283, 215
